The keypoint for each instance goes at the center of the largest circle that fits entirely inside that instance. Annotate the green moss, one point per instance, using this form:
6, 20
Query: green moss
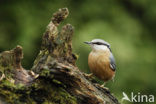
43, 92
7, 91
57, 95
7, 83
75, 56
63, 97
46, 52
46, 73
56, 81
50, 91
46, 89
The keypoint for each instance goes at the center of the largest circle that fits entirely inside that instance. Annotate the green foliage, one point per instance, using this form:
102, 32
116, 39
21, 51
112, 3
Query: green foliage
129, 26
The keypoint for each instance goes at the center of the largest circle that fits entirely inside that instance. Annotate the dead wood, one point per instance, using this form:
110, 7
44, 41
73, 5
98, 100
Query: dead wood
54, 77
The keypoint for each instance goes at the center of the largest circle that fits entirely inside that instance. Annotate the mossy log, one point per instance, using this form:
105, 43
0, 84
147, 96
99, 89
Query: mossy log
54, 77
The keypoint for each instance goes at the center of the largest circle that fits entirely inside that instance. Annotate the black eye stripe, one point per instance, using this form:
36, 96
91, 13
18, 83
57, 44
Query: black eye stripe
98, 43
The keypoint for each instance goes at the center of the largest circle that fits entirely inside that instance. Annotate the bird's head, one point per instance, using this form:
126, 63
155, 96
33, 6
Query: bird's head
99, 44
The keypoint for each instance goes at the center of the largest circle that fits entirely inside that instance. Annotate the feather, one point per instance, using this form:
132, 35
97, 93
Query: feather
112, 62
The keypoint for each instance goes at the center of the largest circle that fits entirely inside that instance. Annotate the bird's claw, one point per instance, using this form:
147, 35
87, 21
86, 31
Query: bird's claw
88, 75
103, 86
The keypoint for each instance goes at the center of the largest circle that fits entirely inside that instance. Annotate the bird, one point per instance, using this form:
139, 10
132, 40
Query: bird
101, 61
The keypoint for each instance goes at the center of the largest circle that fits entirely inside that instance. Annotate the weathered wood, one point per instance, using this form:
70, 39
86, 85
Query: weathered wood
54, 77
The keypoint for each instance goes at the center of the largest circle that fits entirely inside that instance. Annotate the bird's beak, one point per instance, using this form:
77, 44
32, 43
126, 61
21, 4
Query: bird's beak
87, 42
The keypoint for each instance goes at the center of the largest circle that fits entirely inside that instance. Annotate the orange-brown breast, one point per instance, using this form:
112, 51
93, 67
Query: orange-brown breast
99, 64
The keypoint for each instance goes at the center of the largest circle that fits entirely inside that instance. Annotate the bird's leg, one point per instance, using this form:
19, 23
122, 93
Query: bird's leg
103, 86
88, 75
113, 79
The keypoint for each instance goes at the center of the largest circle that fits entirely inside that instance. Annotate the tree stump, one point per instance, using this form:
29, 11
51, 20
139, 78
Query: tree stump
54, 78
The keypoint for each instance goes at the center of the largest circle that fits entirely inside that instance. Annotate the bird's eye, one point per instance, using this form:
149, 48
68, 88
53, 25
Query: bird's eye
99, 43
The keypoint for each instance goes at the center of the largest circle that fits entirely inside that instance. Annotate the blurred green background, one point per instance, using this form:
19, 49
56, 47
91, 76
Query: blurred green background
128, 25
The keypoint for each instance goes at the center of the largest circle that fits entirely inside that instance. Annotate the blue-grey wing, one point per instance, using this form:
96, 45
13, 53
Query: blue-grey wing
112, 62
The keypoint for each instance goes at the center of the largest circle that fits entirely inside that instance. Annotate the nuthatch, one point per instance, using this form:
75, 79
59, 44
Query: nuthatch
101, 60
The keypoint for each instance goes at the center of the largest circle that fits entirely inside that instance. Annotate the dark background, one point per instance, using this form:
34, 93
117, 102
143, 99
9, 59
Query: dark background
128, 25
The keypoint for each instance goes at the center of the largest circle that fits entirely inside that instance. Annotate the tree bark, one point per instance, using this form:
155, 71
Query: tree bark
54, 77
